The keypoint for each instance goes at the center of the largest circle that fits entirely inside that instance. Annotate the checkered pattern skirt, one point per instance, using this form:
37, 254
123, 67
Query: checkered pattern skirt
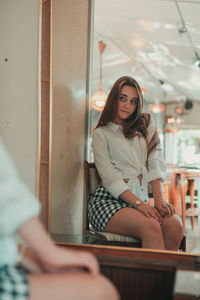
102, 206
13, 283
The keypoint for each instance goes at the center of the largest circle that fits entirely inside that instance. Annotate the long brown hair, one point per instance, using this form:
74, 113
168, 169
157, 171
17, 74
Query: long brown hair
138, 122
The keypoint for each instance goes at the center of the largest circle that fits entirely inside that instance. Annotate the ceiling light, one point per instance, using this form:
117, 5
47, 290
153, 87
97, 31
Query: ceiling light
156, 108
99, 98
179, 121
197, 60
179, 110
171, 130
184, 29
172, 124
170, 119
197, 63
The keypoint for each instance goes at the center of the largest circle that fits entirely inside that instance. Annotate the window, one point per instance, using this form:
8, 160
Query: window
183, 148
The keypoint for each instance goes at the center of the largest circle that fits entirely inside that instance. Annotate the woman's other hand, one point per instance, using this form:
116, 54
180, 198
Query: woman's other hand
150, 211
165, 208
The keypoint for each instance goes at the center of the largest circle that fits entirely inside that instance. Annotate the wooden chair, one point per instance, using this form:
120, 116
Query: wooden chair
114, 239
92, 180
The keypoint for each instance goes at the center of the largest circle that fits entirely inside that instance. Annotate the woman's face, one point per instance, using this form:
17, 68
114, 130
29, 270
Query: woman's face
127, 103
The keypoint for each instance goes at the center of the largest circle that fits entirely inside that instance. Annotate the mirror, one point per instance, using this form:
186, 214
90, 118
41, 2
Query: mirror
71, 46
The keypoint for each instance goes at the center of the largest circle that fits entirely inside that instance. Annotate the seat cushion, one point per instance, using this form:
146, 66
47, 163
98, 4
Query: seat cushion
117, 237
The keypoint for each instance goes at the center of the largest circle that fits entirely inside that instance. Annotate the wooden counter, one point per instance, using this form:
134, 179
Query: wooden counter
139, 274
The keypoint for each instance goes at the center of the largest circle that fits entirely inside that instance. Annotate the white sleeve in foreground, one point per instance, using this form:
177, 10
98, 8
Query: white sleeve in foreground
17, 203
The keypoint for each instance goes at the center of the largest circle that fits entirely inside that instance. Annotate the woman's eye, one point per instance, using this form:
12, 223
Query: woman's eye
122, 98
133, 101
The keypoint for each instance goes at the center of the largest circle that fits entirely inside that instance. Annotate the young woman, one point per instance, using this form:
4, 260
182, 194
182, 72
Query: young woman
128, 157
44, 271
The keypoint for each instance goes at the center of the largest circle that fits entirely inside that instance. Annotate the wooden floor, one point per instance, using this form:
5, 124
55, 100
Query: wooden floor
193, 236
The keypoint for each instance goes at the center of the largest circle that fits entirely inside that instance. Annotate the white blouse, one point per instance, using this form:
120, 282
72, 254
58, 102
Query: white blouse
17, 205
118, 158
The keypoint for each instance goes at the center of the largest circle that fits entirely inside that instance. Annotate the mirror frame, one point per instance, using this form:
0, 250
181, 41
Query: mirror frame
155, 257
44, 163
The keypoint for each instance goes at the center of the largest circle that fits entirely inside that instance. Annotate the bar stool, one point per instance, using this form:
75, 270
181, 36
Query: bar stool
183, 191
166, 190
187, 182
192, 211
178, 176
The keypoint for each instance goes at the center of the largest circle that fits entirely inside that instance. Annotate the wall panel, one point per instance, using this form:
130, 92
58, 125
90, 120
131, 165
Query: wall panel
69, 76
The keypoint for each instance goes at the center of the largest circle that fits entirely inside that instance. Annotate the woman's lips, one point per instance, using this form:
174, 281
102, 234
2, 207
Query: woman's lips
126, 112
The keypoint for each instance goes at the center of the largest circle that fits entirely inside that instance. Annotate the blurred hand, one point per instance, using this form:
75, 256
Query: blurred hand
51, 258
29, 260
62, 259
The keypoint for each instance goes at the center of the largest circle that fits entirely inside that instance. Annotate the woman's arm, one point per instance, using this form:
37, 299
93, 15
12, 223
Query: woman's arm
18, 213
157, 172
146, 209
160, 203
51, 258
110, 177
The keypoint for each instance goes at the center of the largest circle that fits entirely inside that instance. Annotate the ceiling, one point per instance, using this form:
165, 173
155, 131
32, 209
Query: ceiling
143, 40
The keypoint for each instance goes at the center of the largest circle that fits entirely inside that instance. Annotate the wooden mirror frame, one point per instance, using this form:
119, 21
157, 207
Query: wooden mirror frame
44, 158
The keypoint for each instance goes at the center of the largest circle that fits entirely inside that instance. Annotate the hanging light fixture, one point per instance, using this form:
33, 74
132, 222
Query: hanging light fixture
197, 60
99, 98
182, 29
172, 124
156, 107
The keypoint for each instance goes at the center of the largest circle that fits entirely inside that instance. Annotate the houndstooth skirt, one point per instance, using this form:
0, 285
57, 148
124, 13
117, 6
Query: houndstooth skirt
102, 206
13, 283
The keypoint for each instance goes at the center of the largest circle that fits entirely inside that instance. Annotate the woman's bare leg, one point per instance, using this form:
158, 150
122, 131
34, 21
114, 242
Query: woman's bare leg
172, 232
131, 222
71, 285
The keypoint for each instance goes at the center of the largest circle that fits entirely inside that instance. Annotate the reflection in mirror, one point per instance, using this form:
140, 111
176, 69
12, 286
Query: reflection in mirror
68, 114
122, 56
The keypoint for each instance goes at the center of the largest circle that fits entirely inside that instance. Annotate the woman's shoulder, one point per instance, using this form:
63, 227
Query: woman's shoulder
106, 130
98, 131
106, 127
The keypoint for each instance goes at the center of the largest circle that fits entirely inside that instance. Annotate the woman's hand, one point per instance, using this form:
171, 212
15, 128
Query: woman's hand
165, 208
150, 211
29, 260
52, 258
61, 259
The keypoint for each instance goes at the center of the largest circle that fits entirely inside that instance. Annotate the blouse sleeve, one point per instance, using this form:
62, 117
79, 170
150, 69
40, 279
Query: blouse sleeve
111, 178
17, 203
155, 162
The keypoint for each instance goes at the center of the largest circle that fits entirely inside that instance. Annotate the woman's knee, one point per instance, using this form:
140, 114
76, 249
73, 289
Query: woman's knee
173, 224
173, 232
153, 229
